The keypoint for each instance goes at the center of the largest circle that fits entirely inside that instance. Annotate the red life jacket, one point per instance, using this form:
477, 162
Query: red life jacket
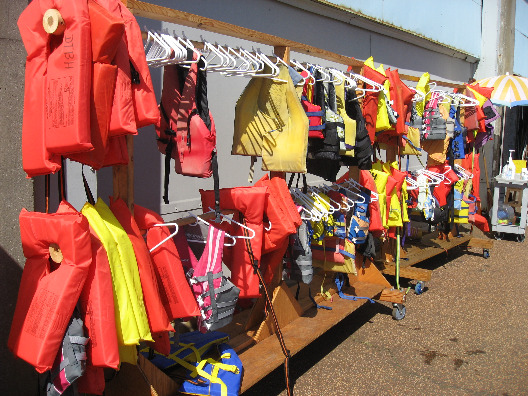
280, 211
122, 119
195, 133
313, 111
143, 96
284, 220
376, 225
92, 382
176, 294
107, 32
370, 101
47, 297
66, 67
97, 304
249, 201
157, 316
402, 96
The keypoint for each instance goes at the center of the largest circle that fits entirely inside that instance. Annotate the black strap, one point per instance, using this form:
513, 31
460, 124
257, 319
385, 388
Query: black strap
62, 182
46, 190
216, 183
87, 190
134, 74
278, 333
168, 153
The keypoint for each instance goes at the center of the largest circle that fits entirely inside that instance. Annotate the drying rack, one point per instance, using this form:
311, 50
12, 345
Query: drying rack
251, 331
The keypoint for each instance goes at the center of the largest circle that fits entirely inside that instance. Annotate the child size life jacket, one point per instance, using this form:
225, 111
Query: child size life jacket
215, 294
195, 129
176, 293
271, 123
363, 145
48, 295
157, 316
350, 123
249, 202
131, 318
314, 112
97, 304
337, 255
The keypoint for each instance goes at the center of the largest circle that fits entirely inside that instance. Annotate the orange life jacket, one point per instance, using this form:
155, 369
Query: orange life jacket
143, 96
107, 32
370, 101
66, 67
97, 304
47, 296
195, 133
122, 119
284, 220
157, 316
402, 96
249, 201
176, 294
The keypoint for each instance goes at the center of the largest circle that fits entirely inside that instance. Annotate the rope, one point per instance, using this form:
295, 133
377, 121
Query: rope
278, 332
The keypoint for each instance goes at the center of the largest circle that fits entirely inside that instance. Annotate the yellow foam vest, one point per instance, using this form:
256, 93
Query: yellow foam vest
350, 124
270, 122
131, 317
382, 117
380, 178
423, 87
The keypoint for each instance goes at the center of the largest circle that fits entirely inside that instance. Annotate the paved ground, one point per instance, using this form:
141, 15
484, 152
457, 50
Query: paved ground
466, 335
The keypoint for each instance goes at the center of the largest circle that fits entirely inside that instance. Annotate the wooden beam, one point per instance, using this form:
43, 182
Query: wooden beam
408, 272
159, 13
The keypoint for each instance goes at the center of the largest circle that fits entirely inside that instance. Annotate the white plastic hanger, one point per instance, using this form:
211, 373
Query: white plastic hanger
309, 76
200, 220
156, 49
307, 204
340, 205
375, 86
169, 237
251, 230
419, 96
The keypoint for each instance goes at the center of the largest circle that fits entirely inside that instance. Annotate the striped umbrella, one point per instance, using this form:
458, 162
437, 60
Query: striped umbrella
508, 90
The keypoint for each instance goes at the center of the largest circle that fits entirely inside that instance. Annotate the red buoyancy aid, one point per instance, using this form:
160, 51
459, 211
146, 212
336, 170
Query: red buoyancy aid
280, 211
36, 158
402, 96
122, 119
143, 96
442, 189
195, 133
473, 165
370, 101
97, 304
284, 220
47, 298
249, 201
376, 224
107, 32
156, 313
176, 294
92, 381
313, 111
67, 63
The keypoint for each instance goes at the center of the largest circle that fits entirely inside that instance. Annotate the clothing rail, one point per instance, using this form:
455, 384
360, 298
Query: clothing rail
152, 11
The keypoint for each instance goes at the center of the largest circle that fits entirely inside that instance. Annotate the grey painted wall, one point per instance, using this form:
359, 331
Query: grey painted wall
16, 192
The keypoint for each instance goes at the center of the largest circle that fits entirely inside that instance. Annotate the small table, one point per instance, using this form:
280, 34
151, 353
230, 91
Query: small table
517, 184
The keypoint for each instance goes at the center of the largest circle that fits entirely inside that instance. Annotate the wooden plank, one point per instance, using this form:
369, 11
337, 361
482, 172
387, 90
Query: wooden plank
159, 13
267, 355
287, 309
480, 243
123, 177
392, 295
408, 272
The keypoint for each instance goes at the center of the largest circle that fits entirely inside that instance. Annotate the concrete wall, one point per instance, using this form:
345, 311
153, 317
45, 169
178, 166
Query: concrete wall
520, 65
16, 192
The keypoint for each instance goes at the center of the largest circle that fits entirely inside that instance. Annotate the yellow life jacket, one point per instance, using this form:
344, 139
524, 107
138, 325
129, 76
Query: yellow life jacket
461, 216
382, 118
131, 317
405, 207
423, 87
380, 179
270, 122
335, 255
350, 124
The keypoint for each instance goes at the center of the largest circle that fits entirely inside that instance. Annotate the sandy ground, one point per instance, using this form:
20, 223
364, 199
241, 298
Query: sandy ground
465, 335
